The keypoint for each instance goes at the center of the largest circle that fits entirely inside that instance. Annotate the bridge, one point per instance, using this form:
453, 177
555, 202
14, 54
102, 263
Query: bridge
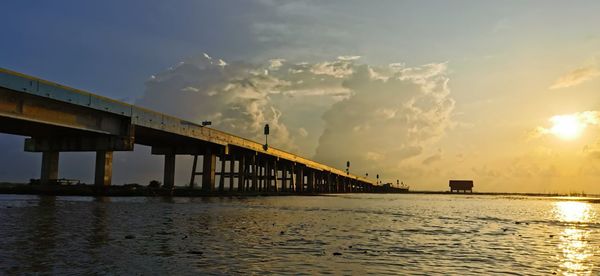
57, 118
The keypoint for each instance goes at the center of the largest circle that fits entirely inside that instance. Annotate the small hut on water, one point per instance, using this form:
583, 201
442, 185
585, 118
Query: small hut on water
461, 185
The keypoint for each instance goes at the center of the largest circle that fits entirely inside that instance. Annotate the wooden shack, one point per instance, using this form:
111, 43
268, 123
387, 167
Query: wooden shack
461, 185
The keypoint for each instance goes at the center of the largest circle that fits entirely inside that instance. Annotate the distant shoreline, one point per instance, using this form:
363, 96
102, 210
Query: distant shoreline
139, 190
509, 194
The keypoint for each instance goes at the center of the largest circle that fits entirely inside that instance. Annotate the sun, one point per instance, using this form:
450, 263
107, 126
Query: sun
567, 127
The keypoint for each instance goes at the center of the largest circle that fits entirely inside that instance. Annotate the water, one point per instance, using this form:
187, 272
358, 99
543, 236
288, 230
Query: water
377, 234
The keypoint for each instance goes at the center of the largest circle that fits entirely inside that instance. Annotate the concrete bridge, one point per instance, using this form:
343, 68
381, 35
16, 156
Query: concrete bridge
58, 119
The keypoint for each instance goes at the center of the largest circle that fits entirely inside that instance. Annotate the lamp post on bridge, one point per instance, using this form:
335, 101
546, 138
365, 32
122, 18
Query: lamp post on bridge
266, 145
348, 167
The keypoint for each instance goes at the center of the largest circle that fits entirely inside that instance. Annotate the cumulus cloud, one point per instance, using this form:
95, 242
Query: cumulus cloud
235, 97
394, 113
576, 77
335, 110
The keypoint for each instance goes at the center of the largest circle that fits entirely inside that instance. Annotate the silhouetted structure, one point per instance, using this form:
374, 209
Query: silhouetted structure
461, 185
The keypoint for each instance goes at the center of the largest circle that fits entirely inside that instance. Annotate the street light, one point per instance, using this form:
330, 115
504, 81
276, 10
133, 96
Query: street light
377, 178
266, 145
348, 167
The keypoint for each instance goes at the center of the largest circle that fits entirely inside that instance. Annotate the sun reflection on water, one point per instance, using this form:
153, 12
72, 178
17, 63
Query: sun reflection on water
574, 244
573, 211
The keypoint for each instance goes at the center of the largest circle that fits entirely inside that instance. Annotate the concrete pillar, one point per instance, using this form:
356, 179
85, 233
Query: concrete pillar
267, 176
284, 176
103, 172
208, 171
261, 175
49, 166
222, 158
311, 181
254, 173
248, 175
242, 173
231, 171
293, 183
169, 173
193, 177
334, 183
299, 179
276, 173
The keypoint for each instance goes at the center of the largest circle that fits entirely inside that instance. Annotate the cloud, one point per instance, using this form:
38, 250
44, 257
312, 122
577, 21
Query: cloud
576, 77
381, 118
302, 132
433, 158
235, 97
392, 115
348, 58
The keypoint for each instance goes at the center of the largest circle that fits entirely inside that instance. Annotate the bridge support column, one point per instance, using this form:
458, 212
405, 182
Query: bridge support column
299, 179
276, 174
320, 183
311, 181
193, 177
255, 168
169, 171
231, 171
348, 185
49, 166
284, 177
103, 172
267, 176
334, 183
208, 171
242, 173
222, 159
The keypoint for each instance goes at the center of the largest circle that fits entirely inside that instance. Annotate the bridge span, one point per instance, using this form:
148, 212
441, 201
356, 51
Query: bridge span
57, 118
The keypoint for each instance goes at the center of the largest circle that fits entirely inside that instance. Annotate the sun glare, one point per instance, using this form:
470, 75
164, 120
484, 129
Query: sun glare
573, 211
567, 127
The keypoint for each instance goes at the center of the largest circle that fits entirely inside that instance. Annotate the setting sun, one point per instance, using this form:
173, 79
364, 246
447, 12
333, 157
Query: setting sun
567, 127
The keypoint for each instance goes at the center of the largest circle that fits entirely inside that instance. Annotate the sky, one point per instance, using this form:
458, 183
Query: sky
501, 92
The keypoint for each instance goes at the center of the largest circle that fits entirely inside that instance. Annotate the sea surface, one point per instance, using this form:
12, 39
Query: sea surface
339, 234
